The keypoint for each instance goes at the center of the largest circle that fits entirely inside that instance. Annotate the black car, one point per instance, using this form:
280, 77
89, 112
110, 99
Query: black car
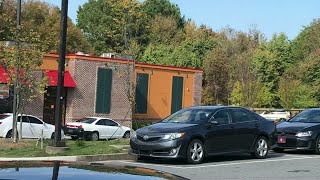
196, 132
302, 132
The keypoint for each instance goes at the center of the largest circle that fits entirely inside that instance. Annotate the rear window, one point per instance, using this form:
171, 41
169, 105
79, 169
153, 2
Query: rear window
3, 116
87, 120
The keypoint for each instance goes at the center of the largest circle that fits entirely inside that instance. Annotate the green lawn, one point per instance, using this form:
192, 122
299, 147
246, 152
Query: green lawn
28, 148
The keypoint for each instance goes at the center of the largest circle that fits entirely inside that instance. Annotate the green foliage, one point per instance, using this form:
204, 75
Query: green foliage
153, 8
110, 25
307, 41
44, 20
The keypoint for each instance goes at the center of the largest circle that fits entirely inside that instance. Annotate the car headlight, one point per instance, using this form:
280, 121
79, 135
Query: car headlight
133, 135
172, 136
304, 134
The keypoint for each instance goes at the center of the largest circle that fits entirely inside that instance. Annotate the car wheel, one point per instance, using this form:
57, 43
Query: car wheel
126, 135
278, 150
94, 136
74, 137
317, 146
195, 152
261, 148
9, 134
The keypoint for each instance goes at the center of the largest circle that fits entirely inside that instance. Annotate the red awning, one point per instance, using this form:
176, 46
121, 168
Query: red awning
3, 76
53, 79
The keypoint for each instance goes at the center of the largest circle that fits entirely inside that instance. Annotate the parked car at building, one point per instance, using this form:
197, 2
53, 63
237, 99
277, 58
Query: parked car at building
276, 115
197, 132
32, 127
95, 128
300, 132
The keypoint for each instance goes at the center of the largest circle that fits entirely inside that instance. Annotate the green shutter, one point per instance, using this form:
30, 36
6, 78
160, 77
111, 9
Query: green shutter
103, 96
142, 93
177, 93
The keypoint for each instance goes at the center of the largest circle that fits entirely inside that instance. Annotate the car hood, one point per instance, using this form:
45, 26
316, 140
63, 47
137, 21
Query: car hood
294, 127
164, 128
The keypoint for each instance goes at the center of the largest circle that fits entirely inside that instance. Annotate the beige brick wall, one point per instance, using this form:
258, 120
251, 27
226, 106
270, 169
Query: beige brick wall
35, 107
81, 100
197, 89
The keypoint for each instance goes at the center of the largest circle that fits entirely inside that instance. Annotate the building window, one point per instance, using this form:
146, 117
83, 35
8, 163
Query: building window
103, 96
142, 86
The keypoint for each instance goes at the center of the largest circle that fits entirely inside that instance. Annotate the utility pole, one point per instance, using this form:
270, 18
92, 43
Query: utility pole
17, 72
62, 59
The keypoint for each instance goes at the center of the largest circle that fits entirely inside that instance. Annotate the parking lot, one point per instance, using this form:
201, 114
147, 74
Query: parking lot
289, 165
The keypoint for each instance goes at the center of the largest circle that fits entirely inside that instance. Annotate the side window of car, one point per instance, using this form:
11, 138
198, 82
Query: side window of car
24, 119
100, 122
33, 120
222, 117
240, 115
110, 123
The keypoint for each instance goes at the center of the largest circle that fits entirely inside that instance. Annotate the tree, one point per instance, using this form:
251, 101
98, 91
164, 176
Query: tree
38, 17
164, 30
217, 76
165, 8
22, 65
307, 41
110, 25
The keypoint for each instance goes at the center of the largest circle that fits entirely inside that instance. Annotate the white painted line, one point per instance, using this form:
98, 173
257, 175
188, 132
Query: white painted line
217, 165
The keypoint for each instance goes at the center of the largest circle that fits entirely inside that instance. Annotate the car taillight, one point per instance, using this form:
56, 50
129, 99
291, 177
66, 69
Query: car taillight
74, 126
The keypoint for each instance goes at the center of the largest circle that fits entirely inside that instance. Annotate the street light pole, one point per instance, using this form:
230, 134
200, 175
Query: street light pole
62, 59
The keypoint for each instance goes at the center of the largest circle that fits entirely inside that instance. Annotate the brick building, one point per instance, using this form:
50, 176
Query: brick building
98, 86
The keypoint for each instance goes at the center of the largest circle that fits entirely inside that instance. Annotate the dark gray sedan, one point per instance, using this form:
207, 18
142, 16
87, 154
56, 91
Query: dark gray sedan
196, 132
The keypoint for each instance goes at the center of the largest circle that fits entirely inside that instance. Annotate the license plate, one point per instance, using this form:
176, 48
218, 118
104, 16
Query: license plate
70, 131
282, 139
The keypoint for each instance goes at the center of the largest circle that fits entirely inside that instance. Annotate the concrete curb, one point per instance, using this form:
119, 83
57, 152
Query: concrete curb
87, 158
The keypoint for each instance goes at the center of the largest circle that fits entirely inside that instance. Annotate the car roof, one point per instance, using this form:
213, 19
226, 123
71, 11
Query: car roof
98, 117
213, 107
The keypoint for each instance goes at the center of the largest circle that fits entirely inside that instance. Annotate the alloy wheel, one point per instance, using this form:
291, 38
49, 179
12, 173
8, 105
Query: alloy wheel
262, 148
196, 152
94, 136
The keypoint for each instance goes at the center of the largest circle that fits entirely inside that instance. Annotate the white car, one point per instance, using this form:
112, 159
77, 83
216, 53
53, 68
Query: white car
276, 115
32, 127
95, 128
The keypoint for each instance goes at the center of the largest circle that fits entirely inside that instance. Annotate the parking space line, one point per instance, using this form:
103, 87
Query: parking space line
217, 165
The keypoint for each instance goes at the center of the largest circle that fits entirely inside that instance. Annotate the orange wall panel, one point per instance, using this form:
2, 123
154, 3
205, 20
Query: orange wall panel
160, 90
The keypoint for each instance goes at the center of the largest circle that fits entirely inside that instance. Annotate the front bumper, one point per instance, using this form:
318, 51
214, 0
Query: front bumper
298, 143
160, 149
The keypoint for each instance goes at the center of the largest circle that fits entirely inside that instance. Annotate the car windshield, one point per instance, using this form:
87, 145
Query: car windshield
307, 116
189, 116
87, 120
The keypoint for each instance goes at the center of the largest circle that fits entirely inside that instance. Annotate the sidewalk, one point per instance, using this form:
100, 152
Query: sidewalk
87, 158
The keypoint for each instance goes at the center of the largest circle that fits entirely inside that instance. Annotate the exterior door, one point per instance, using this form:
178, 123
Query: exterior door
221, 136
177, 94
36, 127
102, 128
246, 126
26, 127
114, 130
50, 103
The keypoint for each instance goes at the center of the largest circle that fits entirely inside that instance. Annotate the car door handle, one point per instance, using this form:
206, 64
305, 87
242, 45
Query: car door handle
256, 125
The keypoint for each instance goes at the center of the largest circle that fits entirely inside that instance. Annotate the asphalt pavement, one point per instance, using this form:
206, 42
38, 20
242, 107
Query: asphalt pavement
278, 166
